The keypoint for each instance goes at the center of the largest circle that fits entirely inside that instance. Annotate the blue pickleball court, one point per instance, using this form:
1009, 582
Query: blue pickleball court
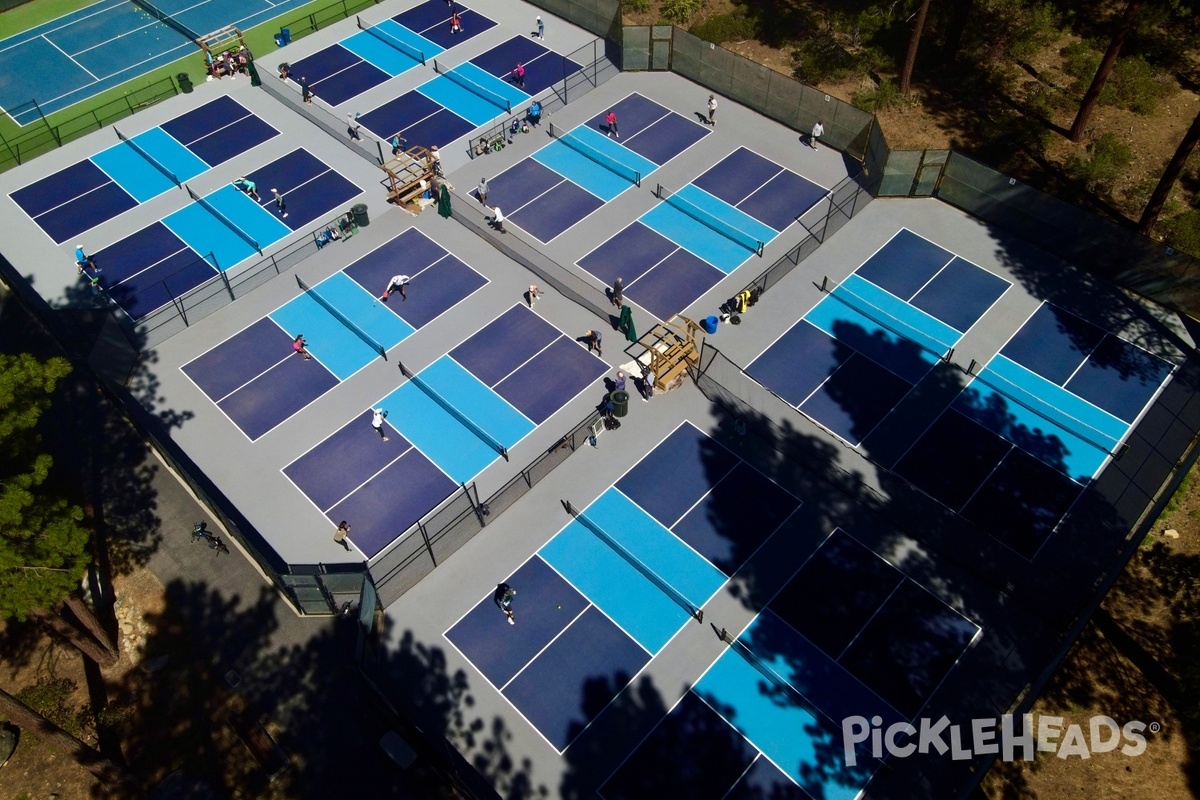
150, 268
85, 52
77, 198
257, 380
507, 378
1034, 426
685, 245
691, 512
766, 715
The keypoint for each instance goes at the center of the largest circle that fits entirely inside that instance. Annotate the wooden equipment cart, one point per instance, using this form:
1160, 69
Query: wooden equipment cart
409, 174
671, 347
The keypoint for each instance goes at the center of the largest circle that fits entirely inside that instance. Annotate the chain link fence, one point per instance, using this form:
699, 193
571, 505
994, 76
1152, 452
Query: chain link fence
42, 137
1073, 234
185, 308
598, 68
459, 518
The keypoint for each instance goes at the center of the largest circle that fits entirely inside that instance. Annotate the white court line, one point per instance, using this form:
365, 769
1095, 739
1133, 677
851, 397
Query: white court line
65, 53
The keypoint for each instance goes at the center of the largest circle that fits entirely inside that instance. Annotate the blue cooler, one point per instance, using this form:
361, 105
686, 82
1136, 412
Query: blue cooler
710, 324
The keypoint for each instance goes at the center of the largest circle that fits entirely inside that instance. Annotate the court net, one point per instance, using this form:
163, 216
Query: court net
712, 222
151, 160
1055, 416
887, 321
624, 170
473, 87
336, 313
450, 409
635, 562
765, 669
388, 39
167, 20
226, 221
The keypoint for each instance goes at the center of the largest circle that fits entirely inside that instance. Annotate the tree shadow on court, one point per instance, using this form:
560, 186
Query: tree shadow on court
1090, 294
1026, 605
433, 706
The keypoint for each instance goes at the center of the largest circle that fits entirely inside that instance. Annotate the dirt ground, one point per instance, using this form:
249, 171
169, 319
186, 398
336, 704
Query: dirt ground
37, 770
1134, 661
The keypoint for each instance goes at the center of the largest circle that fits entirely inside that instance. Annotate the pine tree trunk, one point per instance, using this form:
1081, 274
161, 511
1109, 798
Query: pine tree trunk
32, 722
87, 618
1132, 10
85, 644
958, 24
910, 58
1170, 175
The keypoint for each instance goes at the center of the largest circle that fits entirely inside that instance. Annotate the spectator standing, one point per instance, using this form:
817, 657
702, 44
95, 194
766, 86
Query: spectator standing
339, 536
647, 387
481, 191
305, 92
712, 110
817, 131
541, 28
618, 293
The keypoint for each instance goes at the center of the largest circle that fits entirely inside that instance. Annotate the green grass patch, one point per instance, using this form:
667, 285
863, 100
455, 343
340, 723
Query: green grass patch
49, 697
1183, 233
721, 28
1185, 488
1106, 158
883, 97
30, 15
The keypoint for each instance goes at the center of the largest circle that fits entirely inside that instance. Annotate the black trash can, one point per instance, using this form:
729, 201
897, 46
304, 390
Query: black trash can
360, 215
185, 82
620, 401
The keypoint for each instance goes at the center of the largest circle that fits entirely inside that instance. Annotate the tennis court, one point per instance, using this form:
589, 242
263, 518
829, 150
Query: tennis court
582, 168
141, 167
607, 593
216, 232
446, 423
691, 240
86, 52
257, 380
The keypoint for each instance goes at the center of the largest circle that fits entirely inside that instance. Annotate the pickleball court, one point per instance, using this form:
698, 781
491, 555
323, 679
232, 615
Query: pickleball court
446, 423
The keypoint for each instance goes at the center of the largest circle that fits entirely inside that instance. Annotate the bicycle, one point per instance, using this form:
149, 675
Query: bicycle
214, 542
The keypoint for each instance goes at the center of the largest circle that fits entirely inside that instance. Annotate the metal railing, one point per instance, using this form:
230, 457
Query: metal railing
435, 537
186, 308
44, 137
